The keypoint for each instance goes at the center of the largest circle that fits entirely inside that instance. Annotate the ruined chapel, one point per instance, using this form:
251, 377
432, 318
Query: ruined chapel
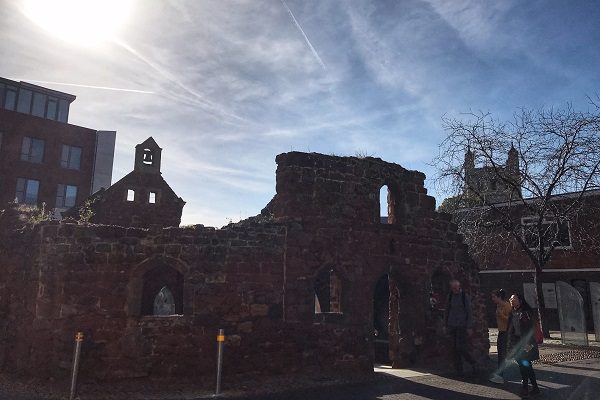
316, 283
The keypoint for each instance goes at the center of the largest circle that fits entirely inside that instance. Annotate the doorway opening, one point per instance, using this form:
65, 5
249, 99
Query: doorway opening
381, 316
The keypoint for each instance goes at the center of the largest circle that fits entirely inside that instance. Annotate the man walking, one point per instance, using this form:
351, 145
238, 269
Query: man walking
459, 325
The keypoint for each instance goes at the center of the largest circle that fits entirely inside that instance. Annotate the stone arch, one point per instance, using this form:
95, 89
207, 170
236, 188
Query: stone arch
149, 278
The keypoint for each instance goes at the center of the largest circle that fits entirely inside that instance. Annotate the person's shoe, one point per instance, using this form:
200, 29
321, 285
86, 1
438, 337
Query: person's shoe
496, 379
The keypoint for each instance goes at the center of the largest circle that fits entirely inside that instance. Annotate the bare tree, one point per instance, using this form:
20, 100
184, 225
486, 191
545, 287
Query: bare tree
528, 200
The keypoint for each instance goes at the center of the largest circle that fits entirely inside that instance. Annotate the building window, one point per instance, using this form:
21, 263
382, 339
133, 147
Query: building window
52, 108
32, 150
130, 195
71, 157
39, 105
10, 98
24, 102
152, 197
66, 196
556, 234
27, 191
63, 111
328, 292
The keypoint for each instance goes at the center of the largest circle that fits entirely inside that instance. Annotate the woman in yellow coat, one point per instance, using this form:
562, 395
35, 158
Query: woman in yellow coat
503, 311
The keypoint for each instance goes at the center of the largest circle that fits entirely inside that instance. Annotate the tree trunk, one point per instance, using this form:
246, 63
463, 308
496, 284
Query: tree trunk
537, 279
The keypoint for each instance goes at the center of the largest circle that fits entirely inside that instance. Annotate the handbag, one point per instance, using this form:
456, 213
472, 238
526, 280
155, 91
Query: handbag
538, 334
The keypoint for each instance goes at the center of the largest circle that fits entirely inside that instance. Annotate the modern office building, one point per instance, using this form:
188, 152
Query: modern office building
43, 158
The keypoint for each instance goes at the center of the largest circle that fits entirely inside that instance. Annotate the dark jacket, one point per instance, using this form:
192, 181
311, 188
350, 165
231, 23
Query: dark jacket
521, 336
458, 311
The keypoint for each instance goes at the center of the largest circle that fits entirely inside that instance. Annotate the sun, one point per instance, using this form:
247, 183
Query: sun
81, 22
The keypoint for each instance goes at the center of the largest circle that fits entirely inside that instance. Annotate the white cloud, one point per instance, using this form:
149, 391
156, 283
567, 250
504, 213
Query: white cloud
235, 83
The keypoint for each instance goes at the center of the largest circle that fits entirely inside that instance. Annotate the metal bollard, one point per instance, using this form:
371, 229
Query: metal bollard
220, 341
78, 340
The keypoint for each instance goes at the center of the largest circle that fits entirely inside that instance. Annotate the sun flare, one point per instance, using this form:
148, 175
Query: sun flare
82, 22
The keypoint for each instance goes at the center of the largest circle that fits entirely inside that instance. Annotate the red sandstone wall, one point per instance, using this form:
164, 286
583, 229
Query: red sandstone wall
112, 207
256, 279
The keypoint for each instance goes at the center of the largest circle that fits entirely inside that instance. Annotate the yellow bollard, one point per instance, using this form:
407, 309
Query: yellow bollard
220, 341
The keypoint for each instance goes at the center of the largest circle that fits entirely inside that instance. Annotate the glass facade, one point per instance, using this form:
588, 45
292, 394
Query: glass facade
24, 103
10, 98
52, 108
63, 111
40, 104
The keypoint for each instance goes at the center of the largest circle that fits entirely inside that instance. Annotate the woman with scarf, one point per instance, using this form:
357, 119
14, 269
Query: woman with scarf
521, 342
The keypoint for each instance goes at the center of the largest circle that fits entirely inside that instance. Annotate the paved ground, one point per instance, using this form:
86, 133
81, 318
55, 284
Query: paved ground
559, 378
578, 380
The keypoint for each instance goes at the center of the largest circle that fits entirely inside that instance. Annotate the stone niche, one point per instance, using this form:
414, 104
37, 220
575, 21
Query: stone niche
318, 282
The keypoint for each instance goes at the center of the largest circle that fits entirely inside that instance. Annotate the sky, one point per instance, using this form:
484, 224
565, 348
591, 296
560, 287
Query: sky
224, 86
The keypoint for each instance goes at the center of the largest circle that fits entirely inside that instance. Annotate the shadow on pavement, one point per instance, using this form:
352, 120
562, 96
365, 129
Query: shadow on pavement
556, 382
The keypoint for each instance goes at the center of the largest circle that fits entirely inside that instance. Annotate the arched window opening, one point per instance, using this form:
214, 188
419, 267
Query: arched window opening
328, 292
162, 292
148, 157
386, 205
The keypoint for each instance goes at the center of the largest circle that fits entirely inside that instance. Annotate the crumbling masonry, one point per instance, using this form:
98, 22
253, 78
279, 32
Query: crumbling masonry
315, 284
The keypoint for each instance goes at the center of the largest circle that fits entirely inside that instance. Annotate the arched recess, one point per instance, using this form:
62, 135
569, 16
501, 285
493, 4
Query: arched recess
438, 293
405, 316
381, 317
328, 292
156, 287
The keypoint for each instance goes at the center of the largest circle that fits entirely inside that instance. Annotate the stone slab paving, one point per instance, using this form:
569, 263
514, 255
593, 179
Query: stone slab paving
564, 372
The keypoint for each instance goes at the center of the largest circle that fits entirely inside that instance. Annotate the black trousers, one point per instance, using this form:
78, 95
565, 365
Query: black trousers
527, 374
459, 347
501, 344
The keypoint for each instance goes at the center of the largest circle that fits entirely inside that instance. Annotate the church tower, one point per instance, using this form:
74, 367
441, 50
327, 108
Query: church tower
512, 163
147, 157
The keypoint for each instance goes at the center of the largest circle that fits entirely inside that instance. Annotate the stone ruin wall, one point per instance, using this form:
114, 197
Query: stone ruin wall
255, 279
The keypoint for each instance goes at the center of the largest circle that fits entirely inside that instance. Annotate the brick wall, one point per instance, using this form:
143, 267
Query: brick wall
15, 126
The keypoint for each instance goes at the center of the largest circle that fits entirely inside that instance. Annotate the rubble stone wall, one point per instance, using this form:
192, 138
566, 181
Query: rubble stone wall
258, 279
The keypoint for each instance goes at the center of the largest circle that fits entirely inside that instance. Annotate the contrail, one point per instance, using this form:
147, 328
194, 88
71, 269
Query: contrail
199, 99
84, 86
312, 49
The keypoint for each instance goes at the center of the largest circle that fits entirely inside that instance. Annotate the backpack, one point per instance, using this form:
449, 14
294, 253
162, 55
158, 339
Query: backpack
464, 301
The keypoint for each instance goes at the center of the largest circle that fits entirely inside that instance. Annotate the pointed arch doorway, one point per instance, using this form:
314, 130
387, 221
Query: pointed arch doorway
381, 321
